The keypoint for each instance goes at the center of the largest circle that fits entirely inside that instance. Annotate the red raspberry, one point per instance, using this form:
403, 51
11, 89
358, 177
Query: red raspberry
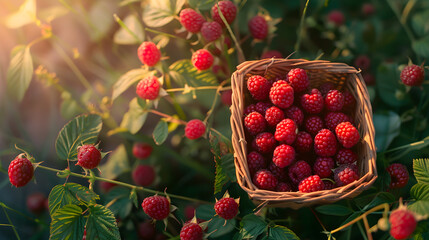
328, 185
189, 212
259, 87
363, 62
273, 116
368, 78
262, 107
149, 53
142, 150
413, 75
283, 187
402, 223
226, 208
283, 155
345, 174
336, 17
347, 134
255, 123
299, 171
106, 186
265, 142
279, 173
313, 102
148, 88
334, 100
368, 9
323, 166
286, 131
264, 179
255, 162
195, 129
313, 125
311, 184
20, 171
398, 175
303, 142
346, 155
191, 231
298, 79
143, 175
326, 87
88, 156
228, 9
211, 31
146, 230
325, 144
36, 202
249, 109
271, 54
332, 119
202, 59
157, 207
295, 113
281, 94
226, 97
191, 20
84, 234
258, 27
349, 100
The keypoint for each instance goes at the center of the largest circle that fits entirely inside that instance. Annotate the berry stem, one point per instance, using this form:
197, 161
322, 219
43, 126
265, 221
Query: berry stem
198, 88
301, 27
122, 24
168, 117
176, 105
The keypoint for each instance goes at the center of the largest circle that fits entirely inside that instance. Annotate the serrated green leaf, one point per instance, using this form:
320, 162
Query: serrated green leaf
421, 47
69, 193
25, 15
227, 162
122, 36
116, 164
220, 178
389, 86
252, 226
334, 210
193, 76
158, 13
122, 204
202, 5
133, 197
20, 72
83, 129
205, 212
420, 191
128, 79
160, 133
421, 207
281, 233
421, 170
134, 119
387, 125
67, 223
220, 226
101, 224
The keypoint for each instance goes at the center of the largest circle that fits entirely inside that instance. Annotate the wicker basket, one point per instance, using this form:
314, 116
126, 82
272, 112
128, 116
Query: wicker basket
343, 76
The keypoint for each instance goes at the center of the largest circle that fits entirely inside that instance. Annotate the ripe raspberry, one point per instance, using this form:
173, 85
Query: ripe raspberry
334, 100
368, 78
349, 100
281, 94
279, 173
325, 144
283, 187
191, 20
283, 155
195, 129
326, 87
323, 166
143, 175
402, 223
189, 212
148, 88
398, 175
313, 125
255, 162
313, 102
226, 97
298, 79
413, 75
311, 184
336, 17
142, 150
265, 142
262, 107
264, 179
191, 231
286, 131
211, 31
202, 59
328, 185
368, 9
258, 27
345, 174
255, 123
20, 171
228, 9
106, 186
88, 156
332, 119
363, 62
273, 116
36, 202
271, 54
346, 155
259, 87
149, 53
303, 142
146, 230
347, 134
226, 208
299, 171
295, 113
249, 109
157, 207
84, 234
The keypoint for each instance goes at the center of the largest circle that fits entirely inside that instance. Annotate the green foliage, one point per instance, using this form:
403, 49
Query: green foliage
421, 170
158, 13
389, 86
388, 126
131, 31
334, 210
202, 5
128, 79
251, 227
20, 72
69, 193
189, 75
120, 202
281, 232
67, 223
134, 119
101, 223
117, 163
160, 133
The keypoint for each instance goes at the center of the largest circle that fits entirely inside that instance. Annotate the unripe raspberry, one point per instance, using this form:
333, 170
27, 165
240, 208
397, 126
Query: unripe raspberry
226, 208
271, 54
255, 123
336, 17
345, 174
368, 9
143, 175
313, 102
36, 202
88, 156
282, 94
255, 162
191, 20
298, 171
149, 53
413, 75
189, 212
148, 88
368, 78
273, 116
20, 171
226, 97
323, 166
259, 87
334, 101
313, 124
402, 223
191, 231
157, 207
303, 142
295, 113
142, 150
228, 10
264, 179
146, 230
265, 142
298, 79
325, 143
398, 175
202, 59
347, 134
311, 184
211, 31
258, 27
286, 131
195, 129
283, 155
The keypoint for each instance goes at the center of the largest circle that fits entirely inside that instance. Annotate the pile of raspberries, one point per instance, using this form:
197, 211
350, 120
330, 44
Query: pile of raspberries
299, 138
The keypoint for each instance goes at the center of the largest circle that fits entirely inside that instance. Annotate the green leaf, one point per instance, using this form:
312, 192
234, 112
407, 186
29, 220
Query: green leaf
67, 223
123, 36
101, 223
421, 47
158, 13
134, 119
421, 170
202, 5
25, 15
122, 204
193, 76
160, 133
51, 13
128, 79
420, 191
227, 162
281, 233
20, 72
383, 197
205, 212
83, 129
220, 226
69, 106
389, 86
252, 226
420, 24
116, 164
69, 193
387, 125
334, 210
421, 207
405, 149
220, 179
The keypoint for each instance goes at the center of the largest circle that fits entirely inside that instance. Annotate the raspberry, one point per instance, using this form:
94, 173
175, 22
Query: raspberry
326, 87
106, 186
328, 185
84, 234
143, 175
255, 123
402, 223
148, 88
368, 78
149, 53
313, 125
336, 17
271, 54
191, 231
311, 184
325, 144
349, 100
347, 134
226, 208
142, 150
228, 9
413, 75
265, 142
202, 59
299, 171
332, 119
368, 9
283, 187
258, 27
262, 107
195, 129
211, 31
298, 79
295, 113
279, 173
191, 20
303, 142
345, 174
189, 212
264, 179
36, 202
323, 166
20, 171
334, 100
157, 207
226, 97
286, 131
281, 94
283, 155
398, 175
363, 62
249, 109
146, 230
255, 162
259, 87
313, 102
273, 116
88, 156
346, 155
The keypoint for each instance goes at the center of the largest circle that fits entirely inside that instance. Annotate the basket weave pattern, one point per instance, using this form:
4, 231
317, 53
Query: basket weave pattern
344, 77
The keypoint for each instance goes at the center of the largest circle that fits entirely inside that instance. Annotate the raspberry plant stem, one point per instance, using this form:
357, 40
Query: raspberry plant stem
301, 27
197, 88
